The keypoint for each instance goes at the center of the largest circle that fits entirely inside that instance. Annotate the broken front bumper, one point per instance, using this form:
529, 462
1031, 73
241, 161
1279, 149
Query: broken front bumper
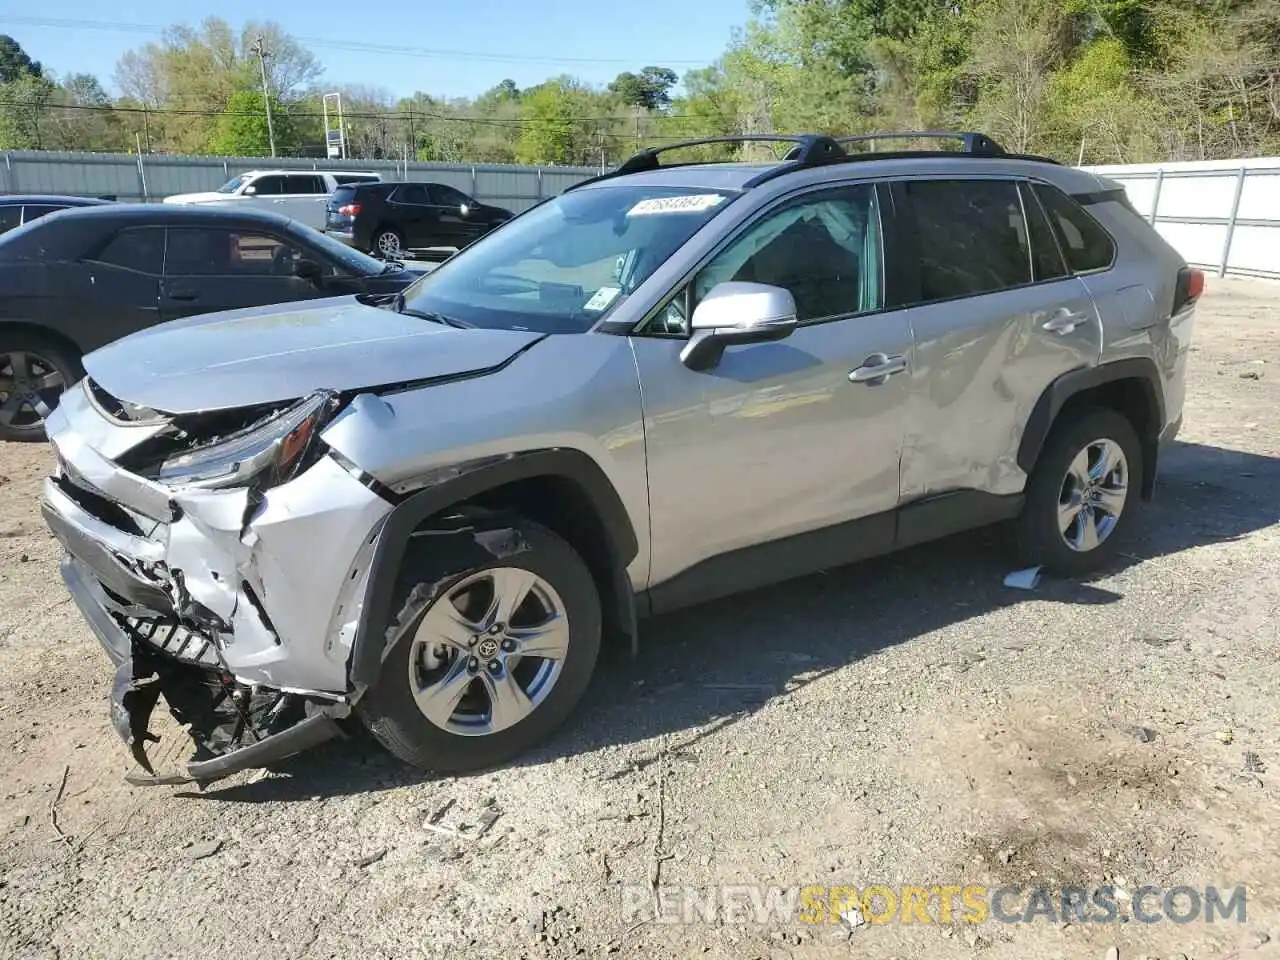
239, 612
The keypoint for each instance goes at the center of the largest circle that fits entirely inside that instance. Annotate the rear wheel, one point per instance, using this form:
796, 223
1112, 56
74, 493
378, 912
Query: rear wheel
388, 243
1083, 493
494, 663
33, 370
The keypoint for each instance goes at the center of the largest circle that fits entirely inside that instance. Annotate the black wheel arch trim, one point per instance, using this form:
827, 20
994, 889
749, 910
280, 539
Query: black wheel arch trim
1044, 414
412, 510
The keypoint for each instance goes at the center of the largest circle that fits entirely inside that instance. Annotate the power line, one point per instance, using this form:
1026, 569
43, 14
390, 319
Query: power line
120, 26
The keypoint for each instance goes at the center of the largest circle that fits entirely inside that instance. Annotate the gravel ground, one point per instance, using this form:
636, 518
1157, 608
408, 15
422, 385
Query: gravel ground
908, 721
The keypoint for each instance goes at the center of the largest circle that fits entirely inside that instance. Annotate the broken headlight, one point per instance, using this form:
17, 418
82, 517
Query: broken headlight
272, 450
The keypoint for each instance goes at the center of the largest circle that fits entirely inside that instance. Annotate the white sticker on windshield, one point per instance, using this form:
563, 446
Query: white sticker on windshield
690, 203
601, 299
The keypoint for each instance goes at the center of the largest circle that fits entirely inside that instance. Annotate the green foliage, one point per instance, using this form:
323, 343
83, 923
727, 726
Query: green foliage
14, 62
241, 130
650, 88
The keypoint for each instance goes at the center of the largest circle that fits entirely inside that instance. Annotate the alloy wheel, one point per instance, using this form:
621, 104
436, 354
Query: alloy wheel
1093, 495
26, 379
388, 244
487, 653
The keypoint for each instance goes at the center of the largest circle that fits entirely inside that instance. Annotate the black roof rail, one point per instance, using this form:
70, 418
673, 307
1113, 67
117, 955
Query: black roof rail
972, 142
809, 149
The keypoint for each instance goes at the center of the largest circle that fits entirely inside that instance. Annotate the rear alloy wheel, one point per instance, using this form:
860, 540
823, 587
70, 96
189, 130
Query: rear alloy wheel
494, 664
32, 373
388, 244
1082, 494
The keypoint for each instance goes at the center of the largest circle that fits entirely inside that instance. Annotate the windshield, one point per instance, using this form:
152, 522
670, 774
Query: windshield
565, 264
360, 264
232, 185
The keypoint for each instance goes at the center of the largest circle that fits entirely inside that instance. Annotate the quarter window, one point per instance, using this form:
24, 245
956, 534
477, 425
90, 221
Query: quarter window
36, 211
227, 253
140, 249
824, 247
971, 237
1085, 244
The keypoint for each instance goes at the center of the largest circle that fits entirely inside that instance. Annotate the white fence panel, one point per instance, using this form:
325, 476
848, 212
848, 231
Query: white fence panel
1220, 214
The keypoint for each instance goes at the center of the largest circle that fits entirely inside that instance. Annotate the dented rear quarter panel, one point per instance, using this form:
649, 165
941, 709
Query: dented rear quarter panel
574, 391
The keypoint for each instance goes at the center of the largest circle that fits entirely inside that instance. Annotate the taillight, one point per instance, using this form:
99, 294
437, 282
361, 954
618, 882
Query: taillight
1189, 288
1195, 284
349, 209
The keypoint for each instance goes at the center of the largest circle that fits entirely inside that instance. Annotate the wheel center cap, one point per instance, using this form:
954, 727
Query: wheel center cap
488, 648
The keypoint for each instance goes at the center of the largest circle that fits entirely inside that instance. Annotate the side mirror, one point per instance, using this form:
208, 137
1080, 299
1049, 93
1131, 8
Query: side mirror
464, 209
308, 270
250, 190
735, 313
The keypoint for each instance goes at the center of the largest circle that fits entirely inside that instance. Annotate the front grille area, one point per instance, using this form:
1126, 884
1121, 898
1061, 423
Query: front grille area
172, 639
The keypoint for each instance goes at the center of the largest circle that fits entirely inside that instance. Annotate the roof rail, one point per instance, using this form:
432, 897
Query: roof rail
809, 149
972, 142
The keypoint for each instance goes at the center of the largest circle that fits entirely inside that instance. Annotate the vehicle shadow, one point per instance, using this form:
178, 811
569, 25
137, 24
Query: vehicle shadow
705, 667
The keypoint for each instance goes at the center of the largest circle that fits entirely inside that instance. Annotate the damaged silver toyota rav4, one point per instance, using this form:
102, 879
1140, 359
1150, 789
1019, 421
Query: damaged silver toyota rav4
670, 383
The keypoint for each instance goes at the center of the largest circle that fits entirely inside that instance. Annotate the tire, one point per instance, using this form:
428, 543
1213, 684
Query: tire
31, 366
466, 741
1054, 494
388, 243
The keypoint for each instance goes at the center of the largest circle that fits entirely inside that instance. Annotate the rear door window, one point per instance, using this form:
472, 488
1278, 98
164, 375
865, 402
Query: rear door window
10, 216
1046, 256
303, 185
140, 249
1085, 244
971, 237
412, 193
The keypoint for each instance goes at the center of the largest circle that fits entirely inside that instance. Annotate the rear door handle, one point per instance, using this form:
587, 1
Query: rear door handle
183, 295
877, 368
1064, 322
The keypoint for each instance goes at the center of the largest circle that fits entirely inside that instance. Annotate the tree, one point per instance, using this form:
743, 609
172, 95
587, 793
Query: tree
547, 133
81, 117
241, 130
650, 89
14, 62
197, 70
23, 109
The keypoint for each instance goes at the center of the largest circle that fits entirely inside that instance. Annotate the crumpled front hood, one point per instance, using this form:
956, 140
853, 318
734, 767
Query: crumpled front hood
261, 355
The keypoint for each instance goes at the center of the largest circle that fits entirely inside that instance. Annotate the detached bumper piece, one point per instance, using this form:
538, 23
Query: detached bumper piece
234, 727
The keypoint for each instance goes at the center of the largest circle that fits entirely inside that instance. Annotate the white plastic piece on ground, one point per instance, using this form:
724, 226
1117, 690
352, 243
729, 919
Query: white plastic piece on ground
853, 917
1027, 579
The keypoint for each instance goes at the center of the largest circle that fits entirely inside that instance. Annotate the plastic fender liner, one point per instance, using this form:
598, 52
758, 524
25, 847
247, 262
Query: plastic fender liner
464, 548
1140, 369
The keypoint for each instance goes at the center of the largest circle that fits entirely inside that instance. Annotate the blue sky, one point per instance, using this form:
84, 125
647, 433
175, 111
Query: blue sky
526, 41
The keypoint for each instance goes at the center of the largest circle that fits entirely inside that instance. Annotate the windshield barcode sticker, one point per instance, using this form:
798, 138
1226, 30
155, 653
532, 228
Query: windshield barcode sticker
602, 298
692, 203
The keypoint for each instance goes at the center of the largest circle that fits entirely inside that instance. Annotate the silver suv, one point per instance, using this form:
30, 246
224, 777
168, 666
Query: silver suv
668, 384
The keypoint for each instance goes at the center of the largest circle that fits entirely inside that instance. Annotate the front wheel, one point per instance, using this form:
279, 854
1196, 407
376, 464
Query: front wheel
1083, 493
493, 662
33, 371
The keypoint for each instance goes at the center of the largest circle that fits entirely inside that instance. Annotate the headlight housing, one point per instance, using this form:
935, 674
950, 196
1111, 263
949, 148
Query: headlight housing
270, 452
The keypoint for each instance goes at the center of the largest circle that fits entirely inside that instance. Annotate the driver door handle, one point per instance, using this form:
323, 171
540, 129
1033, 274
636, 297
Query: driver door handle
877, 368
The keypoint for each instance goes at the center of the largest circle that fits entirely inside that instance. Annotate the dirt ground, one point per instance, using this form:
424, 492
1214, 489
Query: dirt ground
909, 721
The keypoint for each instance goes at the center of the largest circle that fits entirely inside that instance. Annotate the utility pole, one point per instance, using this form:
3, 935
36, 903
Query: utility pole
260, 48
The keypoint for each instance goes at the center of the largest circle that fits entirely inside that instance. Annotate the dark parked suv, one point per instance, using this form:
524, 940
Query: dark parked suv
387, 219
